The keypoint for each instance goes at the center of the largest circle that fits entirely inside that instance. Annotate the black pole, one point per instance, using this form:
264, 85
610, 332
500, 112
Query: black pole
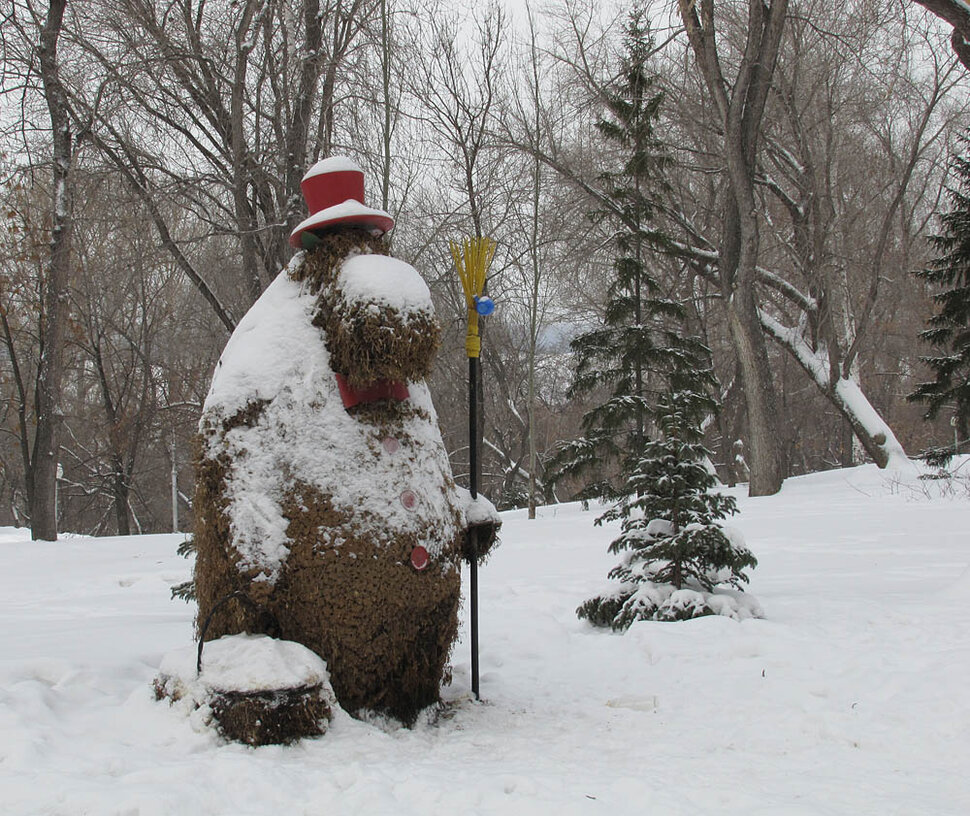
473, 532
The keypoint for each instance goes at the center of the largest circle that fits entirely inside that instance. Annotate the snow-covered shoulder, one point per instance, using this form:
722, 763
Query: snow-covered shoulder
273, 344
478, 510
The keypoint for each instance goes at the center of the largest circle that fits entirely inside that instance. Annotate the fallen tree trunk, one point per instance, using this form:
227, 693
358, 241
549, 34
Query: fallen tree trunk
845, 393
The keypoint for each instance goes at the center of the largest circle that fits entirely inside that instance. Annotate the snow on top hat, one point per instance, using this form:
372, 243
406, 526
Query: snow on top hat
334, 191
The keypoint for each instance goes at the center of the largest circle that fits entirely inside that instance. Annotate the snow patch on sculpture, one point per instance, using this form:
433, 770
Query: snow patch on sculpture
383, 281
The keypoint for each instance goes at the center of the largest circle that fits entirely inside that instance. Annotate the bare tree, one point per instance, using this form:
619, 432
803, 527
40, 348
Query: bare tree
739, 102
456, 88
901, 135
534, 277
457, 85
120, 306
22, 275
847, 88
380, 122
844, 89
32, 38
224, 105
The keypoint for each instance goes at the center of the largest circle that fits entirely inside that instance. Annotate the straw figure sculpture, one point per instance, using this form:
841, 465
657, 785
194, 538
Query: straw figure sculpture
324, 494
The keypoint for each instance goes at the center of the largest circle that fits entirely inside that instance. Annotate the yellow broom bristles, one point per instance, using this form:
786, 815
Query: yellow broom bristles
472, 258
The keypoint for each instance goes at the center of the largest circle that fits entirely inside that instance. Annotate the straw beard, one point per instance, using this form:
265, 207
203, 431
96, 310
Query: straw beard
367, 342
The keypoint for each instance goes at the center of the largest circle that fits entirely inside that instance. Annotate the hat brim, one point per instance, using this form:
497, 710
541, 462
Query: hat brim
347, 213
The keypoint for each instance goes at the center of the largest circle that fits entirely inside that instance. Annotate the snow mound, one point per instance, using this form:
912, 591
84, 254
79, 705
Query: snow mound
664, 602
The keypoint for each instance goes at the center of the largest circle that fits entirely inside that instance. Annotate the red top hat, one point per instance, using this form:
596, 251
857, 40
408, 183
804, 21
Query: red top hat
334, 191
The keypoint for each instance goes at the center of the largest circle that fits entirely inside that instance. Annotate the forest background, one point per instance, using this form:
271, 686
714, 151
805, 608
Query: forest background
150, 159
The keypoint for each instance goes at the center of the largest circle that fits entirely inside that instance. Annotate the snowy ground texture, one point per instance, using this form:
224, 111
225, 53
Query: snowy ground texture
850, 697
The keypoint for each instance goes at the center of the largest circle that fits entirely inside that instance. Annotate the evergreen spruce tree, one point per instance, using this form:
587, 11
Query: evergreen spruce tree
653, 375
671, 537
949, 328
621, 355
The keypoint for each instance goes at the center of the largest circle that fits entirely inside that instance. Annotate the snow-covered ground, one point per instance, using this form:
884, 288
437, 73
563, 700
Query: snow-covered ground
850, 697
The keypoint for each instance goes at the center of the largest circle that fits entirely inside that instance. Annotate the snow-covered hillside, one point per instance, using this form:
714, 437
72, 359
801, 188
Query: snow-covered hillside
850, 697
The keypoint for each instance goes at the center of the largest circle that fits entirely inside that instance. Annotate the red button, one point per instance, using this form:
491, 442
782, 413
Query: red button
409, 499
419, 558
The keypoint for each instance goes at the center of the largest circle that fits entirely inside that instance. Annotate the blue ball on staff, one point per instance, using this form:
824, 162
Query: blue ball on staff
484, 305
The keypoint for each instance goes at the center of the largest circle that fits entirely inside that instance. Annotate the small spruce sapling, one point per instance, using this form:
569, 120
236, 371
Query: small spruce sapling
671, 539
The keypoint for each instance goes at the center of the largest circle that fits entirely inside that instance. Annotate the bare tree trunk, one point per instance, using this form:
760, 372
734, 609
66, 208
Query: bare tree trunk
765, 442
533, 332
23, 426
740, 117
299, 128
42, 478
119, 495
536, 271
847, 444
245, 217
387, 123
